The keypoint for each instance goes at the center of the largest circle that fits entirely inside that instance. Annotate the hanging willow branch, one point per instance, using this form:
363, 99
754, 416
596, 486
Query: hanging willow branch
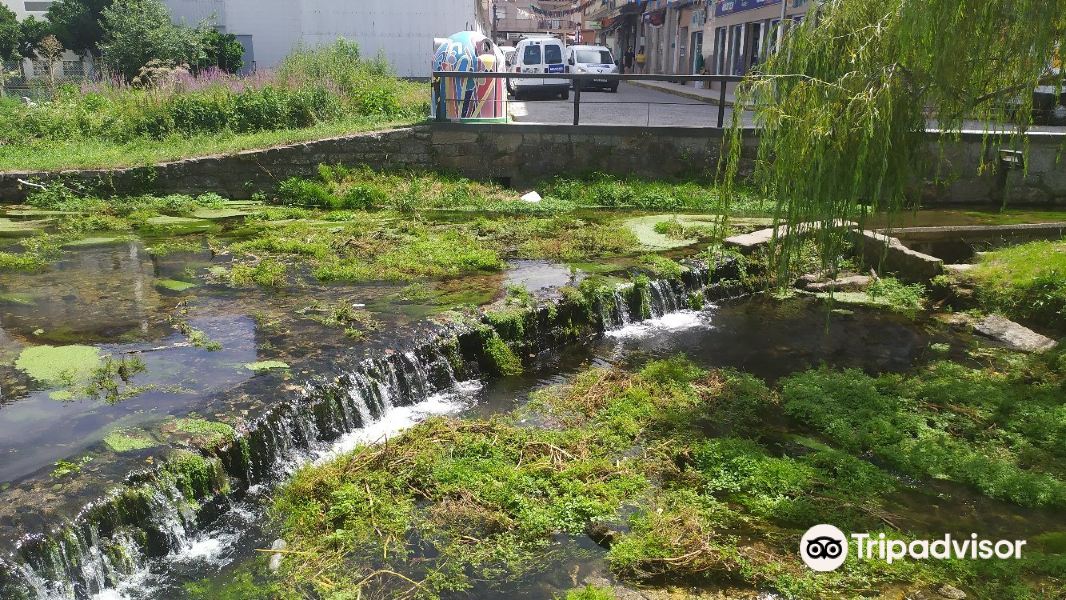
842, 110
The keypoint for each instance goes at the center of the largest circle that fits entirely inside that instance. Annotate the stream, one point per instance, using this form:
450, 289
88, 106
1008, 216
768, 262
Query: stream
793, 335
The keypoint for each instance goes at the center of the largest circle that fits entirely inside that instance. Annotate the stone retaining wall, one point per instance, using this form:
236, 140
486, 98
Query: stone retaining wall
519, 154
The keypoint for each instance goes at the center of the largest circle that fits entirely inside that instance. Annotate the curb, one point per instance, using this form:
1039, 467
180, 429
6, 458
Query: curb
677, 92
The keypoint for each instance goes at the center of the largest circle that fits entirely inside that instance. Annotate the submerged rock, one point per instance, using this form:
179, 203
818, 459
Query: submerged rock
1013, 335
951, 592
604, 533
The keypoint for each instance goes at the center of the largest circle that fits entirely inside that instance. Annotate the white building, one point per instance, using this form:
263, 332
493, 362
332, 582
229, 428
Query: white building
402, 29
27, 8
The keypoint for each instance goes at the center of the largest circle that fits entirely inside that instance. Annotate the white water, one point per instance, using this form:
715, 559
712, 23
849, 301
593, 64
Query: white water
675, 321
216, 545
396, 419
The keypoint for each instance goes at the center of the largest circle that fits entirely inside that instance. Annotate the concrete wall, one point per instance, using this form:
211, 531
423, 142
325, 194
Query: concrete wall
403, 31
522, 154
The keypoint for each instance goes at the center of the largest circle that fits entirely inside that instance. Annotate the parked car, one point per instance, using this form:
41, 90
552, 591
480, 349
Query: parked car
592, 59
541, 54
508, 59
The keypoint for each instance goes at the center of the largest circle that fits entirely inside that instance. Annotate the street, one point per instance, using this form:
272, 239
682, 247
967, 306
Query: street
632, 105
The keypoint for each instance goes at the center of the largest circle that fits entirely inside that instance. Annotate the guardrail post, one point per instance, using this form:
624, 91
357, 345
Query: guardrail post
577, 101
442, 111
721, 104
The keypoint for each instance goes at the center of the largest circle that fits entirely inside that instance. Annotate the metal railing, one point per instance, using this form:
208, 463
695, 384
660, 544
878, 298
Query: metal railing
439, 78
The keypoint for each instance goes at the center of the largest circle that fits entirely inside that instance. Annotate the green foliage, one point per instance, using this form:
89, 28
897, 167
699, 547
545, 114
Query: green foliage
704, 498
695, 194
112, 380
200, 432
129, 440
660, 266
356, 322
136, 32
10, 36
266, 365
499, 357
33, 31
77, 23
848, 97
36, 254
363, 188
977, 427
590, 592
222, 50
162, 112
1026, 282
267, 273
902, 297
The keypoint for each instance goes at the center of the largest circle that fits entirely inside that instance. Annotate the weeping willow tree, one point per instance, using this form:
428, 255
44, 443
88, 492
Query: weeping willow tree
842, 110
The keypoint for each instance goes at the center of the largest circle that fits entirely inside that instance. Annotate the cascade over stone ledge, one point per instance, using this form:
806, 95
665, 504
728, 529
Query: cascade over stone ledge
156, 511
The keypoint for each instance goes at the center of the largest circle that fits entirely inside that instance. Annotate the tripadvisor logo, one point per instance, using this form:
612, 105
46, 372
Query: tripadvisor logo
824, 548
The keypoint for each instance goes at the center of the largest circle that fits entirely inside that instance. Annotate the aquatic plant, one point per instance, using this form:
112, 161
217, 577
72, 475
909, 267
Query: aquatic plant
70, 467
35, 254
500, 359
263, 366
705, 499
977, 427
200, 432
267, 272
112, 380
129, 440
59, 365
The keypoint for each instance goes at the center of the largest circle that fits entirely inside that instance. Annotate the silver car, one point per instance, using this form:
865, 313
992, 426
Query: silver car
592, 59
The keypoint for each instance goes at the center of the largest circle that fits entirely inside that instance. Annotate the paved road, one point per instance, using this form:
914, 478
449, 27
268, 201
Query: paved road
632, 105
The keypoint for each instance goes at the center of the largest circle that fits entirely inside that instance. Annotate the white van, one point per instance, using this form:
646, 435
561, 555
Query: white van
542, 54
592, 59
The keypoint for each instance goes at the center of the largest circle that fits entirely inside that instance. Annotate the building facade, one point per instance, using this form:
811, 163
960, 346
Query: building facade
402, 31
513, 20
743, 32
27, 8
670, 32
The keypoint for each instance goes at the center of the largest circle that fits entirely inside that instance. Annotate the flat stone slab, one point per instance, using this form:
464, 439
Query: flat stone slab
853, 283
1013, 335
941, 232
750, 241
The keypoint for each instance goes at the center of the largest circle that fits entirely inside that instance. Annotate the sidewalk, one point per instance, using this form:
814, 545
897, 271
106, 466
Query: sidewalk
685, 91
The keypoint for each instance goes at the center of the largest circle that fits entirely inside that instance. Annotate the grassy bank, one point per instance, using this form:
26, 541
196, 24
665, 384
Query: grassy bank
1025, 282
314, 93
88, 153
362, 188
681, 476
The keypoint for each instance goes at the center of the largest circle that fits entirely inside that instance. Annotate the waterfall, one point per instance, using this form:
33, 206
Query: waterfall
157, 513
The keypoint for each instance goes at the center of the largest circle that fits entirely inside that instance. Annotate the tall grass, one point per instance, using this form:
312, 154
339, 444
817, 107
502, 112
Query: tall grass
311, 87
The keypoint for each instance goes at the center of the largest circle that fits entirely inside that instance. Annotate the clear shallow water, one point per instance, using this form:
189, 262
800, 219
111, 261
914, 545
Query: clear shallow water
113, 298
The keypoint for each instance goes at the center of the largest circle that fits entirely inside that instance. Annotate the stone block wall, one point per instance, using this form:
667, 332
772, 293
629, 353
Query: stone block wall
519, 154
